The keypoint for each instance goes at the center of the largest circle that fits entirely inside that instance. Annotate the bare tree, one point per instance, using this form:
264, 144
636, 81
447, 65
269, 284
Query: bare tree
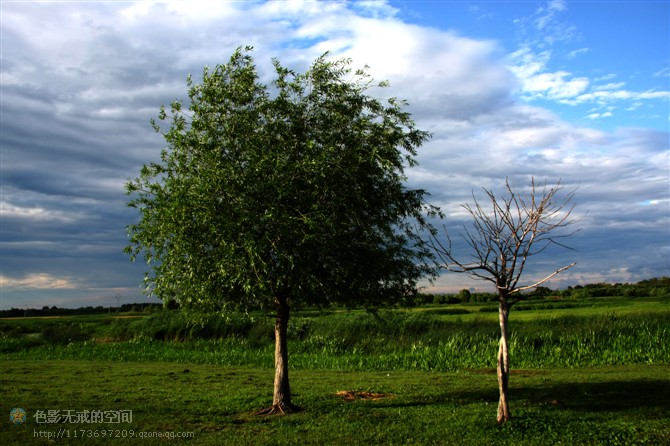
502, 239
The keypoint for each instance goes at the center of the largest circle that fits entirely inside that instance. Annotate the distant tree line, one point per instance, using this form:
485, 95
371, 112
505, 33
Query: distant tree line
56, 311
656, 287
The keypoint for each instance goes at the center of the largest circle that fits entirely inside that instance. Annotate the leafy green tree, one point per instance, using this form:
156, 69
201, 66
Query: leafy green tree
282, 195
540, 292
465, 295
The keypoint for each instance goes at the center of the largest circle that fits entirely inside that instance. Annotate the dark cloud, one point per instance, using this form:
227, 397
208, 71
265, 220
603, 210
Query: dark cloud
81, 81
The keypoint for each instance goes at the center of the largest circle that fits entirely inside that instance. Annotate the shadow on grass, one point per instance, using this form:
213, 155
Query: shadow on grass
617, 395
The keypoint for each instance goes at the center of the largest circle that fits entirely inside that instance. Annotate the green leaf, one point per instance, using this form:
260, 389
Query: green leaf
294, 190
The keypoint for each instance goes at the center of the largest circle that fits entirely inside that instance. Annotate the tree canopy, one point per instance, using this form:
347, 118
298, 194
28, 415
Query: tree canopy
295, 189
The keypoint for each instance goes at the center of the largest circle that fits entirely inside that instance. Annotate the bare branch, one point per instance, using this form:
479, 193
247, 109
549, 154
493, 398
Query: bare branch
515, 228
537, 284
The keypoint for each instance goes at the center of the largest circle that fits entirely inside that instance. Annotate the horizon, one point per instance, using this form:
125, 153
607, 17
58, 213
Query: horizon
433, 291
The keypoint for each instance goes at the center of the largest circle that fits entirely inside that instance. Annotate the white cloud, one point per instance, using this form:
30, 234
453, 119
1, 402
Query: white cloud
610, 86
37, 281
192, 11
606, 77
546, 14
540, 79
8, 210
578, 52
664, 72
608, 96
375, 9
599, 115
557, 85
537, 82
544, 29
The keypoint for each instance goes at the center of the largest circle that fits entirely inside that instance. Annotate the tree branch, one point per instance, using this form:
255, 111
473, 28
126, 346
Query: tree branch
536, 284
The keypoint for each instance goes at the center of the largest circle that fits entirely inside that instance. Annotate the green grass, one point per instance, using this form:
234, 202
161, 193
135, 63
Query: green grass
396, 340
625, 405
542, 308
597, 373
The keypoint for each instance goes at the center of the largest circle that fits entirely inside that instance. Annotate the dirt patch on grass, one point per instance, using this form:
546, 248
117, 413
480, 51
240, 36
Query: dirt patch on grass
353, 395
107, 340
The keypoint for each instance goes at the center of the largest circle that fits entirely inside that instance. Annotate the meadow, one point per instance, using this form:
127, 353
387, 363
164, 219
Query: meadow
585, 371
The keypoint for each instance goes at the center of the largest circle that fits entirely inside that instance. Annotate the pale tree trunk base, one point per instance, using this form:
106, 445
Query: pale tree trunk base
281, 400
503, 417
503, 385
503, 363
279, 409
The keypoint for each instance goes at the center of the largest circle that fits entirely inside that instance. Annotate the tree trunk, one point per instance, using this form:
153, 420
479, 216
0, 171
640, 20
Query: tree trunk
281, 401
503, 362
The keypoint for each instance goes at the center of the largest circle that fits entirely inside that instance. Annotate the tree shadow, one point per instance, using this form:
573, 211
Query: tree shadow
608, 396
616, 395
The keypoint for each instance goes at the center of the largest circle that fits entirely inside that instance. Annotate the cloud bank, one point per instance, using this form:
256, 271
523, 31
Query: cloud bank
80, 82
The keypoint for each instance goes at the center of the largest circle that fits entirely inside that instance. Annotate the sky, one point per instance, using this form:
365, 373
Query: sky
576, 91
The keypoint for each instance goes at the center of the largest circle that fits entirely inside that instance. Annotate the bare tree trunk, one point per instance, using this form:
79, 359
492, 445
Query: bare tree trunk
503, 362
281, 401
282, 390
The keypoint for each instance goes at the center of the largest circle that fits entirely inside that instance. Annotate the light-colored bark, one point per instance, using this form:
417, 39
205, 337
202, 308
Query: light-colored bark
503, 364
282, 390
281, 400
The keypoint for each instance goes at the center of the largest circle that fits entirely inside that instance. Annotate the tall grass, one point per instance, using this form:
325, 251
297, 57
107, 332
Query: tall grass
390, 340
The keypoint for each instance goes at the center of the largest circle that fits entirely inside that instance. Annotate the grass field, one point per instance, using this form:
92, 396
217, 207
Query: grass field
624, 405
591, 372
